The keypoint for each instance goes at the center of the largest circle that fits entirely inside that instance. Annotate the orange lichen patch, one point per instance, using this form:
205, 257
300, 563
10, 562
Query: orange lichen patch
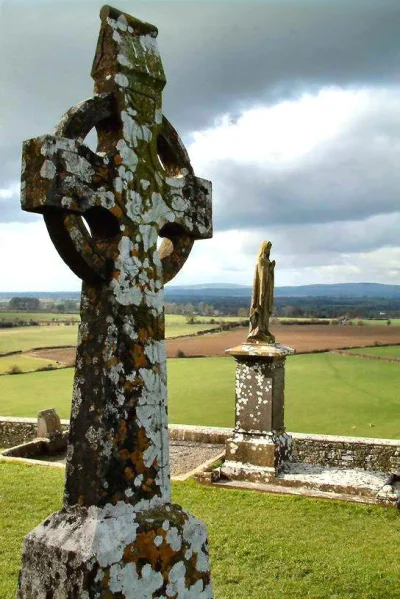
112, 362
137, 459
124, 453
121, 433
145, 549
117, 160
142, 440
148, 485
139, 356
129, 473
143, 335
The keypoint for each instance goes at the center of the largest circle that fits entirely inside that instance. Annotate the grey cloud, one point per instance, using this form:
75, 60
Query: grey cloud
218, 57
340, 237
10, 211
352, 177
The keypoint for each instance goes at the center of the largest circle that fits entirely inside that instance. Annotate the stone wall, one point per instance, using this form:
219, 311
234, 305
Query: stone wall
15, 431
319, 450
348, 452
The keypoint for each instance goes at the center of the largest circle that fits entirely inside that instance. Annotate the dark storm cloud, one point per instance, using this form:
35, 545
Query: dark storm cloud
218, 57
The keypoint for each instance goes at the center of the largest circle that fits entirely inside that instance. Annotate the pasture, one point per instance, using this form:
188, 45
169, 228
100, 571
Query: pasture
28, 337
55, 334
392, 351
280, 547
24, 363
325, 393
303, 338
39, 316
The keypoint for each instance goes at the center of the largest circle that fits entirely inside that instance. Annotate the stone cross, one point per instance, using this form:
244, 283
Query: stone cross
118, 535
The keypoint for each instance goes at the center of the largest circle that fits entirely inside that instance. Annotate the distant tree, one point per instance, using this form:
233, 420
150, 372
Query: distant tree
24, 303
389, 322
170, 308
189, 309
71, 305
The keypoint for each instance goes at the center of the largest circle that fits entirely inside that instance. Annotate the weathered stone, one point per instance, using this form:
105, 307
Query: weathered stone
138, 186
259, 444
48, 423
262, 300
117, 551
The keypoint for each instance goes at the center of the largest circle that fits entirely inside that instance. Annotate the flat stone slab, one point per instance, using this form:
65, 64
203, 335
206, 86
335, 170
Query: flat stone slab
357, 485
185, 455
340, 478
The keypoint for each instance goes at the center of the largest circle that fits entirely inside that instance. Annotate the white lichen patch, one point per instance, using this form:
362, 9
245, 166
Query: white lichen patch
48, 170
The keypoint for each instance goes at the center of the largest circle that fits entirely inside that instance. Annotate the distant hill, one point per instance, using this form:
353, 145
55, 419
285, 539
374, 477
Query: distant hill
343, 290
207, 291
353, 290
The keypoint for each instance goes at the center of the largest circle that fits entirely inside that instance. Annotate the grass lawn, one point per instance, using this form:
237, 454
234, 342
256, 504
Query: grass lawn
261, 546
28, 337
24, 338
392, 351
325, 393
39, 316
375, 322
25, 363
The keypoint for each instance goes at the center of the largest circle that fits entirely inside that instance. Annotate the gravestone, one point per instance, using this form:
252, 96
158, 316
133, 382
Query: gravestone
49, 424
259, 444
118, 535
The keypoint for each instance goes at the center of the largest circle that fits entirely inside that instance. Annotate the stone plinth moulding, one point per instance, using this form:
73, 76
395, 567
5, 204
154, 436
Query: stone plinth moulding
259, 444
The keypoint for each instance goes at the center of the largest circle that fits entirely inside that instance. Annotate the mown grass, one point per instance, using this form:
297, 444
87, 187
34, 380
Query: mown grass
24, 363
395, 322
325, 393
261, 546
39, 316
392, 351
27, 337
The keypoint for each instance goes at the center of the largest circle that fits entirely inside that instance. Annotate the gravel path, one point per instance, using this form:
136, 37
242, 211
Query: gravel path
185, 455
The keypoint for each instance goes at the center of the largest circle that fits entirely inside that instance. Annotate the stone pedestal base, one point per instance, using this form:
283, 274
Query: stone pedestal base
118, 552
256, 458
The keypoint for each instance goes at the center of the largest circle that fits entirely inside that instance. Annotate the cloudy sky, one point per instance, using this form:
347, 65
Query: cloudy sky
290, 107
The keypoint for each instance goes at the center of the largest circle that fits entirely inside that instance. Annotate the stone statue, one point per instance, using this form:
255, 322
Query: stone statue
263, 297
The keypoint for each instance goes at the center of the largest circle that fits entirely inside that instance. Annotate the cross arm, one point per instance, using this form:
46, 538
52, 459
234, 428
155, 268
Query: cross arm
190, 199
62, 173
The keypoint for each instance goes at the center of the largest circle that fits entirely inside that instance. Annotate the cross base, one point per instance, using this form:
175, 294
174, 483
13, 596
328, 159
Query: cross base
256, 458
117, 552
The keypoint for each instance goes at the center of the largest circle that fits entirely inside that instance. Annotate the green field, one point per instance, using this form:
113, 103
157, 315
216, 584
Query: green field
25, 338
28, 337
325, 393
392, 351
375, 322
261, 546
39, 316
24, 363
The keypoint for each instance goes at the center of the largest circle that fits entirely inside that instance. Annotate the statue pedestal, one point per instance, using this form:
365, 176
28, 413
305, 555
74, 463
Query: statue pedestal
259, 444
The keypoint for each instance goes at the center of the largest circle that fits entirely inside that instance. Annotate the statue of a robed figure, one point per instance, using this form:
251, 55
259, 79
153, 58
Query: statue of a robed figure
263, 297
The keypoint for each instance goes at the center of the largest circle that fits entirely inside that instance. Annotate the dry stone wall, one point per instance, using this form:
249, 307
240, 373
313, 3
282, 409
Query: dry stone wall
322, 450
347, 452
15, 431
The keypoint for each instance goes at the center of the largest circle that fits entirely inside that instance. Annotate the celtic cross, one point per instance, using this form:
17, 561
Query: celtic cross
137, 186
105, 211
